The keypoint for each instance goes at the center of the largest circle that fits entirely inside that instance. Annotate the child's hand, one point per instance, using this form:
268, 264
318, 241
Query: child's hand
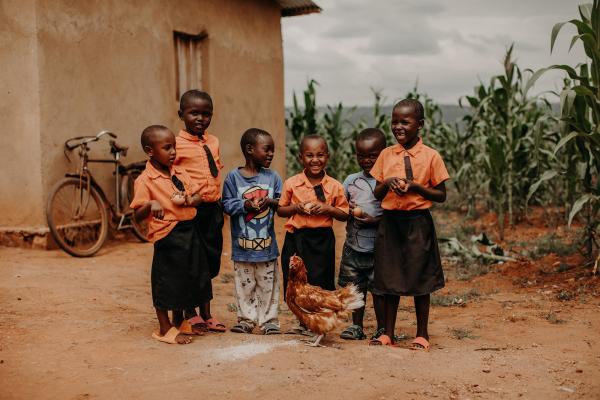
193, 200
412, 186
262, 203
397, 185
250, 205
321, 209
352, 206
366, 219
156, 209
305, 208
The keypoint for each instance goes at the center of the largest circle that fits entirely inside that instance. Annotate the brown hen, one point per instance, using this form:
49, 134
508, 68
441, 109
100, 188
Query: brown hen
318, 309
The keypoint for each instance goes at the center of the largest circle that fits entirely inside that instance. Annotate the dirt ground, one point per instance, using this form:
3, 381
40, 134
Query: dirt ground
80, 329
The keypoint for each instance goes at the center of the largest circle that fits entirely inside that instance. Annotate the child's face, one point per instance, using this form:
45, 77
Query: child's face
314, 156
367, 151
196, 115
162, 150
262, 151
406, 126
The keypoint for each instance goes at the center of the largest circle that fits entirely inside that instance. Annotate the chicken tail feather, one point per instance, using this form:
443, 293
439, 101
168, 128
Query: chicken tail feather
351, 297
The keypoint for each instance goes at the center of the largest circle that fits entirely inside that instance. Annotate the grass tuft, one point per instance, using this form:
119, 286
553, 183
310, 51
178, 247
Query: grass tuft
462, 333
553, 318
458, 300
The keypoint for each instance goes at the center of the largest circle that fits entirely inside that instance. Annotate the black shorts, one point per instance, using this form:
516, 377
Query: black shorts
356, 267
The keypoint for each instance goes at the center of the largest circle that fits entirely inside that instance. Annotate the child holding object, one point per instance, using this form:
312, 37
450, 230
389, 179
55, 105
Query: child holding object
310, 201
166, 195
410, 177
356, 265
250, 196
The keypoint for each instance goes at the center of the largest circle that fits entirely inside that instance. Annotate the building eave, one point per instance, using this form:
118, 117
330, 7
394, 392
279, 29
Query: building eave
291, 8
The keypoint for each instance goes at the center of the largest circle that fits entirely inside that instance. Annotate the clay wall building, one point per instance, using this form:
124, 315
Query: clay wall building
73, 68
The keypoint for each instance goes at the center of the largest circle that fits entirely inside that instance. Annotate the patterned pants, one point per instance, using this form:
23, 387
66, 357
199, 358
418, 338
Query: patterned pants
257, 292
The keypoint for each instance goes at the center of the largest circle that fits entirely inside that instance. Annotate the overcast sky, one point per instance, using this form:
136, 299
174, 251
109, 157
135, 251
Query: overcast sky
448, 45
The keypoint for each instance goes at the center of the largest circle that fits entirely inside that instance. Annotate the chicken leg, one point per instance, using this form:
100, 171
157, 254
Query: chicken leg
316, 342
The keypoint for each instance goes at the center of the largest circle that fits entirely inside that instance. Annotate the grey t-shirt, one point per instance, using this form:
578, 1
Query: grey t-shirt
359, 190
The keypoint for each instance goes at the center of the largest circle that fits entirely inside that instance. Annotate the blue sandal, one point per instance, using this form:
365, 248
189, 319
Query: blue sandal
353, 332
241, 327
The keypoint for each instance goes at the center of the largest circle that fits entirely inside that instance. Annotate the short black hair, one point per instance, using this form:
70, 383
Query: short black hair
250, 137
147, 138
372, 133
415, 105
311, 137
193, 94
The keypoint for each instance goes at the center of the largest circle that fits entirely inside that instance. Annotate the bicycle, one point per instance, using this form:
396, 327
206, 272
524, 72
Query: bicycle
78, 210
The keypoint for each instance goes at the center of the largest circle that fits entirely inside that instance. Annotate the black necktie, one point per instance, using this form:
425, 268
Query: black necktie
408, 168
214, 171
178, 184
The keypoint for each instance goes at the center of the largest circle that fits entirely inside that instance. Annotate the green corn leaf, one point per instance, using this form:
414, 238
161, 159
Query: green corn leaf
546, 176
586, 11
555, 30
578, 205
567, 98
565, 140
534, 77
588, 40
584, 91
568, 69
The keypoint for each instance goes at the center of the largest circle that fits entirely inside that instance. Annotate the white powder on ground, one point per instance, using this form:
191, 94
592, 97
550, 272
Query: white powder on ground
247, 350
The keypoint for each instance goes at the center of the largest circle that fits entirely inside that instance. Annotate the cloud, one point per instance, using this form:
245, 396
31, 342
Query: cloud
405, 40
355, 45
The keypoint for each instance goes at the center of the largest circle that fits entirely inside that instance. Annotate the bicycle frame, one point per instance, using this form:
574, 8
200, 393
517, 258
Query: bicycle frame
85, 173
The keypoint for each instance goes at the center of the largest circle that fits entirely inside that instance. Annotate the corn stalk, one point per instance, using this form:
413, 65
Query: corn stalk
504, 120
580, 122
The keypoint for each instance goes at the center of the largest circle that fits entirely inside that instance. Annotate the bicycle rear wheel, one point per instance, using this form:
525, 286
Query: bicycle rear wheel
139, 228
77, 217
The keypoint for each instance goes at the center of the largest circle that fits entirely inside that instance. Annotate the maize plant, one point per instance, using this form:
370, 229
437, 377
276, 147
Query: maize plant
300, 122
580, 123
503, 122
340, 136
333, 125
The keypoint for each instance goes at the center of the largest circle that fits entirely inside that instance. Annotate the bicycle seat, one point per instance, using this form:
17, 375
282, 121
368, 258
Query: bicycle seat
117, 148
140, 165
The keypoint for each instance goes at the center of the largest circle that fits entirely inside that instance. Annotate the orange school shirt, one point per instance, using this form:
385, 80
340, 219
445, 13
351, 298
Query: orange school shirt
153, 184
428, 170
298, 189
192, 157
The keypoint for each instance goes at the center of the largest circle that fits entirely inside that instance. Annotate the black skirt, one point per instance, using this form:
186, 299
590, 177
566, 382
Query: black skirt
178, 281
316, 247
209, 221
407, 257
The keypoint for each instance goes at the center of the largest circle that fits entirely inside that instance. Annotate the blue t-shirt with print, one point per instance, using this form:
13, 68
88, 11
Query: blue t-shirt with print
252, 233
359, 190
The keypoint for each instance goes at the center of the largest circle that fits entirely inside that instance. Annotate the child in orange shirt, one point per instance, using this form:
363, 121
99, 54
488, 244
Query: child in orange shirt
410, 177
198, 153
310, 200
167, 196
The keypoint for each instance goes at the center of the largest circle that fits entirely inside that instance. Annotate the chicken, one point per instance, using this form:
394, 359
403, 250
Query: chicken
318, 309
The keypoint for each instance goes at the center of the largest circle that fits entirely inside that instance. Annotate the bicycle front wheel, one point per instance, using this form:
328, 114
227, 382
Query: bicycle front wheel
77, 217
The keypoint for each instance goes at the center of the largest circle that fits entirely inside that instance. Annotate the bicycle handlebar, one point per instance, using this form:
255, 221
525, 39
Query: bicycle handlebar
86, 139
